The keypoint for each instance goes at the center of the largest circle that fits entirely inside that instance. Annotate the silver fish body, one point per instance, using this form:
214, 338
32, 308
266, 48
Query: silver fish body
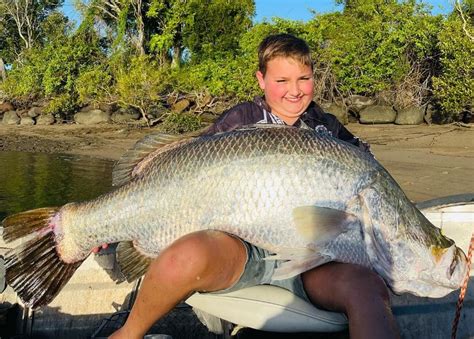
308, 198
249, 183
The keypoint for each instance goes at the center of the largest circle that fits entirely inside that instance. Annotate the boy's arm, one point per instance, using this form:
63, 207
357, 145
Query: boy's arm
237, 116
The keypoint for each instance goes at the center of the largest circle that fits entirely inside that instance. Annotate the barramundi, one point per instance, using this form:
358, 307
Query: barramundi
306, 197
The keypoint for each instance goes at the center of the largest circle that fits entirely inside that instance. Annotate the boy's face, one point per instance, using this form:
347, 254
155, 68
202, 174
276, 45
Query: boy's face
288, 87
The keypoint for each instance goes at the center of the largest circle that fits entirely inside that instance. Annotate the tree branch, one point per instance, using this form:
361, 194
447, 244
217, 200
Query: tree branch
458, 7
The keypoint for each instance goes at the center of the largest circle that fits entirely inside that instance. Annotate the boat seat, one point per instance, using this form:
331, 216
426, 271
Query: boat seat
268, 308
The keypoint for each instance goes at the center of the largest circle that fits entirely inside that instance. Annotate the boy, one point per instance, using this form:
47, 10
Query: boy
215, 261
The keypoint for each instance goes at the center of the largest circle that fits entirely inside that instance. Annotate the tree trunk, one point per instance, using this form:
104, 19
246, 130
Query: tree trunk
140, 27
3, 72
176, 62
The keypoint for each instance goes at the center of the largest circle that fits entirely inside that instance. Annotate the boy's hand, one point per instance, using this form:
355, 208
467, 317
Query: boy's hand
97, 249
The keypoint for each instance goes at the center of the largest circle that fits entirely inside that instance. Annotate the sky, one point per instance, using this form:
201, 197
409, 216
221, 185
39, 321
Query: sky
291, 9
300, 9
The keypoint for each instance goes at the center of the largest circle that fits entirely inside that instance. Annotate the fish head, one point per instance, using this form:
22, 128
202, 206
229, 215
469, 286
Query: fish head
434, 273
449, 267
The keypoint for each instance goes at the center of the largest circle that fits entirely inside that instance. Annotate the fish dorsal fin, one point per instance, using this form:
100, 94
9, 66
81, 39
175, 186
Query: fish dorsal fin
132, 263
137, 159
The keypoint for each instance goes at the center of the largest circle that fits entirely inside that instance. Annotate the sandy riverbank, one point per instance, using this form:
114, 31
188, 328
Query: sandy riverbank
427, 161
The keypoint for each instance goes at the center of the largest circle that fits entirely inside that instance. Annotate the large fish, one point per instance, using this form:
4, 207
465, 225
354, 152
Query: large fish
308, 198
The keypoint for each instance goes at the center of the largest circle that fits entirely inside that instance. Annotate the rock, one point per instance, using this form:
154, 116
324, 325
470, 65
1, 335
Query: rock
6, 106
377, 114
340, 112
180, 106
358, 102
45, 119
123, 115
95, 116
22, 113
10, 118
385, 98
27, 121
87, 108
410, 116
108, 108
35, 112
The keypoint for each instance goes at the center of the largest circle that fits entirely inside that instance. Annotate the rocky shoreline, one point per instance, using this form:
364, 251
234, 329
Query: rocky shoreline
355, 108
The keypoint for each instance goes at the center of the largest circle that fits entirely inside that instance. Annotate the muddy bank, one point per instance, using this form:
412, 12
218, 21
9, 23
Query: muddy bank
427, 161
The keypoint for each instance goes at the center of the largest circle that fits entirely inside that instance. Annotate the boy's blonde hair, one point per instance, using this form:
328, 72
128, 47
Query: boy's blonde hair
283, 45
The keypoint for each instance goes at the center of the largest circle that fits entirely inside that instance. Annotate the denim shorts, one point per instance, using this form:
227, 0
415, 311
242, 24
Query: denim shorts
259, 272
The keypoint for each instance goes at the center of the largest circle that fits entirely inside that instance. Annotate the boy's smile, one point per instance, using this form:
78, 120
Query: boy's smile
288, 87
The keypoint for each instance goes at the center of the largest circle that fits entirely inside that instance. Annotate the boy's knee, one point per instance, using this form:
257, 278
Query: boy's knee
339, 287
196, 260
362, 282
187, 258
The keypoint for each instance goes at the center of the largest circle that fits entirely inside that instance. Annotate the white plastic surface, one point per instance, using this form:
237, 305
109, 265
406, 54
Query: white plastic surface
269, 308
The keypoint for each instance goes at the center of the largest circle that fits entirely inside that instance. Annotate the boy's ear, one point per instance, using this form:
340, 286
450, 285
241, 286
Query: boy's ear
261, 81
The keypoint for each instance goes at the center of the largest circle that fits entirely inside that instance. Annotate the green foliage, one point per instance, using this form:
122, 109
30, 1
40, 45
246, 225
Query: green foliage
141, 84
217, 26
205, 28
453, 89
53, 71
22, 25
372, 45
24, 81
94, 84
226, 76
61, 105
176, 123
66, 63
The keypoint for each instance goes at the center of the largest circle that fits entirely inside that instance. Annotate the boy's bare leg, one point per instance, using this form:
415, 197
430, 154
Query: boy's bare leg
202, 261
356, 291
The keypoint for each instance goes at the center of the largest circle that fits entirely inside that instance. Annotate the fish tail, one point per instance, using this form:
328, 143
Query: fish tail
34, 269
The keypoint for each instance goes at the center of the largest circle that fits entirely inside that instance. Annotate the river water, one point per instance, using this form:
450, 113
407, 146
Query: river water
32, 180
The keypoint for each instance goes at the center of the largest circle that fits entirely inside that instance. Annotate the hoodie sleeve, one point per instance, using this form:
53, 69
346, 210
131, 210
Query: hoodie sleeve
240, 115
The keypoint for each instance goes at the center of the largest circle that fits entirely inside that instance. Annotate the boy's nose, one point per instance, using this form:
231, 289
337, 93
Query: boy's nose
294, 89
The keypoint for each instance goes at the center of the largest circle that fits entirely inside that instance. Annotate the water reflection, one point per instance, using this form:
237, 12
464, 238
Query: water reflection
31, 180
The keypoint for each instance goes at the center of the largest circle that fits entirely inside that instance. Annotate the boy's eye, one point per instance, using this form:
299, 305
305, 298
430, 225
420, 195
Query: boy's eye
281, 80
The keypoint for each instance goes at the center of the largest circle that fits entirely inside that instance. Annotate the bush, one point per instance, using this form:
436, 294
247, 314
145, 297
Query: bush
52, 71
176, 123
94, 85
453, 89
365, 50
61, 106
24, 81
141, 84
227, 76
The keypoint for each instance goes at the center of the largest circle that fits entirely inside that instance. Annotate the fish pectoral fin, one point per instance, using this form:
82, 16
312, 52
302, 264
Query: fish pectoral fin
133, 264
297, 266
321, 224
